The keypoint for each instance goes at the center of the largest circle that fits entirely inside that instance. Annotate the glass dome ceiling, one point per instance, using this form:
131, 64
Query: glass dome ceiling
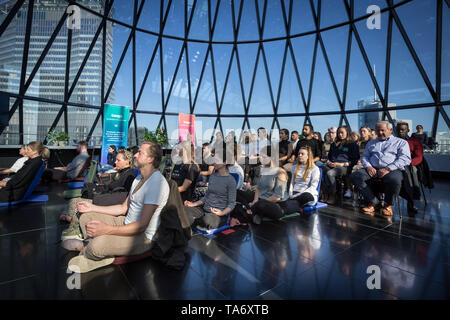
235, 64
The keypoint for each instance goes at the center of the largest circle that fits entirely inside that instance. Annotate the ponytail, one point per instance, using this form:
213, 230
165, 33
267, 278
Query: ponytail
40, 148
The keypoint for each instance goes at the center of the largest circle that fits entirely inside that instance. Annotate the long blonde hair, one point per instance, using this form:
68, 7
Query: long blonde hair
309, 164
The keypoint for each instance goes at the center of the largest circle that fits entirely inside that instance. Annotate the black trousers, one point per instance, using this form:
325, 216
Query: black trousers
272, 210
55, 175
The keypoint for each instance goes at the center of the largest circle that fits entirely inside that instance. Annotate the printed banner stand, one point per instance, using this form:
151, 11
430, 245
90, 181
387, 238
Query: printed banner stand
115, 128
186, 127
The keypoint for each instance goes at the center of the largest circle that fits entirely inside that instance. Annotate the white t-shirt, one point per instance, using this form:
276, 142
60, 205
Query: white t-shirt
19, 164
154, 191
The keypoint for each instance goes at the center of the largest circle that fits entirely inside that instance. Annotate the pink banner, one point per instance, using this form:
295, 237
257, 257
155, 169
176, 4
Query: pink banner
186, 127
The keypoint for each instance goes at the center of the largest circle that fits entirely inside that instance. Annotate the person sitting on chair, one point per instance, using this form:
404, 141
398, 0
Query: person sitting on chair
128, 228
416, 150
384, 159
17, 165
14, 188
72, 170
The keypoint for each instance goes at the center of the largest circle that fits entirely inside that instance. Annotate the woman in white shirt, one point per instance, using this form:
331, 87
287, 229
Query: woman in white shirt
305, 179
18, 164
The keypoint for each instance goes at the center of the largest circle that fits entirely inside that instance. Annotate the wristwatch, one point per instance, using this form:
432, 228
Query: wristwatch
387, 169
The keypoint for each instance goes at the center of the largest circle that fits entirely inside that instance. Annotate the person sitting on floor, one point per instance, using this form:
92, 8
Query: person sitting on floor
416, 150
308, 140
17, 165
186, 172
72, 170
121, 181
206, 167
14, 188
384, 159
128, 228
343, 155
211, 212
271, 189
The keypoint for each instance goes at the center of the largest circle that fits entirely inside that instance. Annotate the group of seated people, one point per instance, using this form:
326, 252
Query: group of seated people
119, 213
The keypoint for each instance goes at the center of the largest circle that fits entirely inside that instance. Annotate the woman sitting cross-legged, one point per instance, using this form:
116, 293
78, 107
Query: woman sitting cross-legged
119, 184
270, 190
212, 210
343, 155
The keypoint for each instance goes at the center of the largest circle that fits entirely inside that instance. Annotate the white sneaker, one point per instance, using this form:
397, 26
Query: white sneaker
348, 194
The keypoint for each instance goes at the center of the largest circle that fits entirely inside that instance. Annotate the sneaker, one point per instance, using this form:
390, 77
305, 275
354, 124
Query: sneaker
370, 209
81, 264
387, 211
73, 232
348, 194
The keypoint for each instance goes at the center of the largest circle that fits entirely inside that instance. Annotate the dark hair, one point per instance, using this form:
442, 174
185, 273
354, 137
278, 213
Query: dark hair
403, 123
349, 139
286, 131
114, 148
295, 131
134, 150
83, 144
155, 151
319, 135
310, 126
419, 125
122, 148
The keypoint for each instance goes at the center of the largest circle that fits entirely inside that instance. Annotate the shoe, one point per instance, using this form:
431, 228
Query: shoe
331, 199
73, 232
71, 244
348, 194
81, 264
412, 209
370, 209
387, 211
256, 219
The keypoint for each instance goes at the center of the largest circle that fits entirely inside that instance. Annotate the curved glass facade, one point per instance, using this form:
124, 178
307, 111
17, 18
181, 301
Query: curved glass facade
235, 64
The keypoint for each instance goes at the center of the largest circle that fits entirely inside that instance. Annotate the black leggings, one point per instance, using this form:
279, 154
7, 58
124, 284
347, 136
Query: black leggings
277, 210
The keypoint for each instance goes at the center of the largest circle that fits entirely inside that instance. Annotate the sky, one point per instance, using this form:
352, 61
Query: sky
406, 85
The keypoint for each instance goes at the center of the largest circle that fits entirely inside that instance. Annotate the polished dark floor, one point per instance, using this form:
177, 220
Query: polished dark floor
321, 256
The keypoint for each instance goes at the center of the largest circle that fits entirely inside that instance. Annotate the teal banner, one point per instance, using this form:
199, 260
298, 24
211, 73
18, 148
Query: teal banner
115, 128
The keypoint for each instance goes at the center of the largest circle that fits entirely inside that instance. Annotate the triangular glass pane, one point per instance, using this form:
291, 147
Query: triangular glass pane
206, 100
419, 20
222, 56
172, 128
335, 42
150, 16
353, 121
274, 51
171, 52
123, 10
375, 42
175, 20
274, 25
145, 45
11, 49
233, 100
223, 30
247, 59
406, 85
147, 122
122, 90
43, 118
322, 123
302, 17
49, 80
249, 24
151, 95
323, 97
197, 54
199, 26
360, 85
179, 98
333, 12
232, 124
290, 96
260, 101
80, 121
303, 48
81, 40
131, 141
445, 74
11, 135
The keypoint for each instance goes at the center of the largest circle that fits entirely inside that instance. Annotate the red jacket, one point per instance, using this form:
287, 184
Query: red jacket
416, 148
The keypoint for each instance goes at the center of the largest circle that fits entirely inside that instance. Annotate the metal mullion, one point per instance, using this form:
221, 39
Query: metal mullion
186, 34
412, 51
438, 64
10, 16
311, 79
134, 72
253, 82
23, 72
67, 75
226, 79
388, 60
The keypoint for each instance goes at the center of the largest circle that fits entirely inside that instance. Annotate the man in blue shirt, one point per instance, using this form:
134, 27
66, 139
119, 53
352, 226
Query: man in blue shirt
383, 160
